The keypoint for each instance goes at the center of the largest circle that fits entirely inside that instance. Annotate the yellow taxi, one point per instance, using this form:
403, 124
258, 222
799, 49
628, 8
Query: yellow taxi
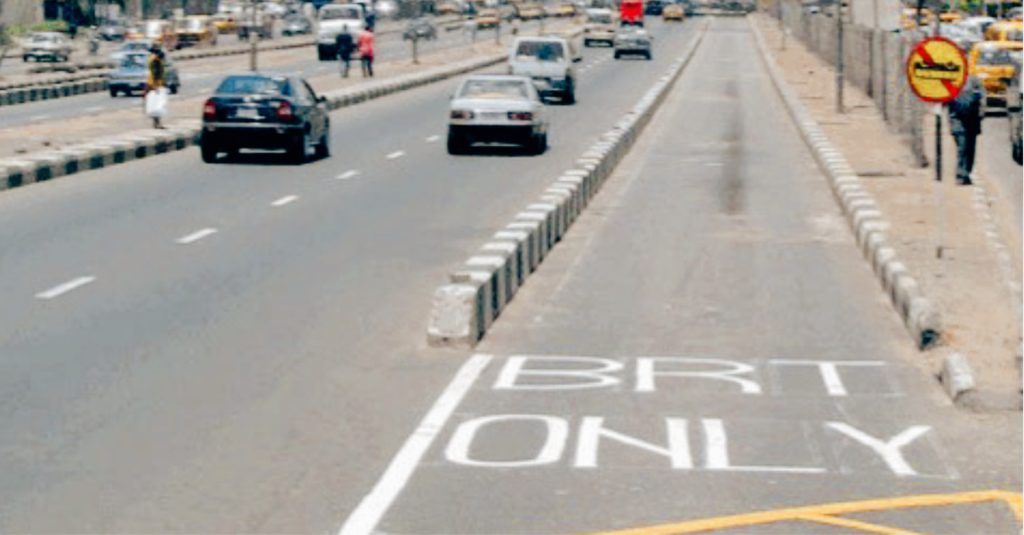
950, 17
992, 63
909, 18
487, 18
566, 9
1005, 30
447, 8
196, 30
225, 23
530, 12
673, 12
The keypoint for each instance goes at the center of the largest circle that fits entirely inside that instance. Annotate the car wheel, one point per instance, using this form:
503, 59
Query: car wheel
113, 93
540, 144
209, 152
456, 144
569, 97
174, 89
26, 59
648, 56
297, 150
1018, 152
617, 55
586, 43
323, 148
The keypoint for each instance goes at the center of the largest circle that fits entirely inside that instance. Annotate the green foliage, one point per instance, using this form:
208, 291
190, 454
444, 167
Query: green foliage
17, 30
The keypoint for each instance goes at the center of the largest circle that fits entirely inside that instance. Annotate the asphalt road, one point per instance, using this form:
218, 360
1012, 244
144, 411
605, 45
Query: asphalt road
994, 155
200, 77
240, 347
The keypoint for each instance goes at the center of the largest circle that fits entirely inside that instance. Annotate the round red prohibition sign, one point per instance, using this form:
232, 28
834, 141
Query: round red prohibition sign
936, 70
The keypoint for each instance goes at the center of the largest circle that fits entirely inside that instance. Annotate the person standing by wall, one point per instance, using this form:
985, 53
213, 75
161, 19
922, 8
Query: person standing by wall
965, 116
366, 51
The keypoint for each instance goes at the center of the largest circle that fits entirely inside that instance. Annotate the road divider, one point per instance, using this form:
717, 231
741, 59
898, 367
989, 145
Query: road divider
862, 213
463, 309
115, 150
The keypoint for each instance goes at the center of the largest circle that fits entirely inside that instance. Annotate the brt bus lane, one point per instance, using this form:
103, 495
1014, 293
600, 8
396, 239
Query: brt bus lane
706, 341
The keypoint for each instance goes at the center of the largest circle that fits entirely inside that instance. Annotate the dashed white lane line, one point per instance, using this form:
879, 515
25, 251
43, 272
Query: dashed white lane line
196, 236
371, 509
66, 287
396, 154
93, 109
433, 138
41, 117
347, 174
284, 200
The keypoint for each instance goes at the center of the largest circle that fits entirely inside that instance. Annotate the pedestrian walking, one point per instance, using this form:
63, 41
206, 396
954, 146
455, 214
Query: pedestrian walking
965, 118
366, 51
345, 46
155, 95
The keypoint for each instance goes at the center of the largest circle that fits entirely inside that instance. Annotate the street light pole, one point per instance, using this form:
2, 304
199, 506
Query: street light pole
839, 57
252, 41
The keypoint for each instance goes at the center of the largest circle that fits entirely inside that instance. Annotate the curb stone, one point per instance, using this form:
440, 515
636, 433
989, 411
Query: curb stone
862, 213
105, 152
463, 310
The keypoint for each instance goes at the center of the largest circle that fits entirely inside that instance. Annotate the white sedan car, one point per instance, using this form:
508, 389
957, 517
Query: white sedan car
497, 109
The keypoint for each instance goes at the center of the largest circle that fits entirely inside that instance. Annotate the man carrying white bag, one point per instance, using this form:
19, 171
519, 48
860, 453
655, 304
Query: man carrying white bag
156, 87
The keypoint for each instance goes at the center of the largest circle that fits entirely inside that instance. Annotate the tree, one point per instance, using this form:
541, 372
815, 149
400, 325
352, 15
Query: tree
5, 42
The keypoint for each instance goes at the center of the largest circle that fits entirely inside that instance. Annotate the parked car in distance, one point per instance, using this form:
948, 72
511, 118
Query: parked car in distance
225, 23
653, 7
131, 74
259, 24
157, 31
112, 30
487, 18
548, 62
296, 24
448, 8
420, 28
49, 46
196, 30
531, 12
497, 109
138, 46
992, 63
673, 12
599, 27
631, 41
265, 111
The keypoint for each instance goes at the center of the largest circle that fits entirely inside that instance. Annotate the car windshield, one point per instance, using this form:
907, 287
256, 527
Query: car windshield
135, 45
254, 85
134, 61
494, 89
542, 50
994, 56
191, 24
295, 19
43, 38
601, 18
339, 13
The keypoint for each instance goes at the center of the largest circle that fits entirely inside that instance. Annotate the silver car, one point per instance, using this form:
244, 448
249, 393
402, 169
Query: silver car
632, 41
497, 109
51, 46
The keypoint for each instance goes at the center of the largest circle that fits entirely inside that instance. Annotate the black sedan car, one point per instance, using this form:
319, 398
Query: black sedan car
265, 111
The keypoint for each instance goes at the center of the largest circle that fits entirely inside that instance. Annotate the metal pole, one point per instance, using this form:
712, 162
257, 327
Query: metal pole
253, 66
415, 50
839, 57
939, 200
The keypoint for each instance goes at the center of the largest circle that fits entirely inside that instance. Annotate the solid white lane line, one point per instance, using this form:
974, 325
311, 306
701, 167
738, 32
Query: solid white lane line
374, 505
41, 117
433, 138
396, 154
284, 200
347, 174
64, 288
196, 236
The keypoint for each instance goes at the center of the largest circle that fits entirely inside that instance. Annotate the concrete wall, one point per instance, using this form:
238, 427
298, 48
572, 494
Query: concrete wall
21, 11
873, 62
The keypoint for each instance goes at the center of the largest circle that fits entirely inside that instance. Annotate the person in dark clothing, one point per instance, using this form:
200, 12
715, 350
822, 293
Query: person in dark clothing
345, 45
965, 117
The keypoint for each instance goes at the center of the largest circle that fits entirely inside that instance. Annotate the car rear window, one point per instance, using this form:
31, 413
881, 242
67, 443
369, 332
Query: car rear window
603, 18
494, 89
542, 50
254, 85
340, 13
994, 56
134, 61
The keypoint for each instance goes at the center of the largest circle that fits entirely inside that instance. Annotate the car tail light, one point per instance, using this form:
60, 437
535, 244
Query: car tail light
284, 111
210, 110
462, 114
520, 116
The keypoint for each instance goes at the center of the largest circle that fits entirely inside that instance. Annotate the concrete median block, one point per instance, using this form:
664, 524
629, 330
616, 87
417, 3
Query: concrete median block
456, 316
513, 263
547, 233
956, 376
553, 219
538, 232
491, 290
520, 241
925, 323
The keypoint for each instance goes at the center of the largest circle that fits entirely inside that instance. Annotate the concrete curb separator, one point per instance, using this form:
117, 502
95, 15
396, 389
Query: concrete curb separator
862, 213
464, 309
39, 167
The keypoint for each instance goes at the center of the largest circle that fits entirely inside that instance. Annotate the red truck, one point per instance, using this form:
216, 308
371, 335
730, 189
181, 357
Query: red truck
631, 12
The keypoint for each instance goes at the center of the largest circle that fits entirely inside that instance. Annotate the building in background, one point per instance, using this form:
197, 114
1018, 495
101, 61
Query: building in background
19, 12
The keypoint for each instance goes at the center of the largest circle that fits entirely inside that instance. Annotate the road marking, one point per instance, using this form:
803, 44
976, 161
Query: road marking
374, 505
433, 138
347, 174
41, 117
64, 288
817, 513
196, 236
92, 109
284, 200
396, 154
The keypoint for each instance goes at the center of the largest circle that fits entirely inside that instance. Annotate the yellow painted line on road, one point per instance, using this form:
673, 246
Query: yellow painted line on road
826, 513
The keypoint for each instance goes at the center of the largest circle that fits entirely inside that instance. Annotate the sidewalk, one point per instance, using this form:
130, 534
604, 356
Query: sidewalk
979, 311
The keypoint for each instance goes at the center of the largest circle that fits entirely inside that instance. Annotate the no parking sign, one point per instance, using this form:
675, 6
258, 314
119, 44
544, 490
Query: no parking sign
936, 70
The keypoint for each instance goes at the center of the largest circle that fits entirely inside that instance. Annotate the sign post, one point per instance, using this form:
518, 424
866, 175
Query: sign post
936, 72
